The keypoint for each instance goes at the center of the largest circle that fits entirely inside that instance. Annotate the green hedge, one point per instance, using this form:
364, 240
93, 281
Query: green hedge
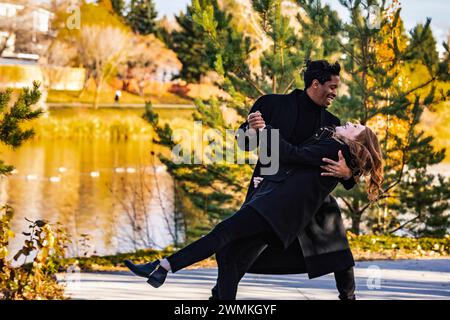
387, 245
382, 242
140, 256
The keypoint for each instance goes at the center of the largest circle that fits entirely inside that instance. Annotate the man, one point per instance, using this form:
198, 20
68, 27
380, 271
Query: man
322, 247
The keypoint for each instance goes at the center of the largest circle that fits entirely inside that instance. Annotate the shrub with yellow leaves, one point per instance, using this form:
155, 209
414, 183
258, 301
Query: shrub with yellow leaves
34, 280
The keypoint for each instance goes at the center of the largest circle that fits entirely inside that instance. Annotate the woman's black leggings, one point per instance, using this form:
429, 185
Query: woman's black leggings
244, 223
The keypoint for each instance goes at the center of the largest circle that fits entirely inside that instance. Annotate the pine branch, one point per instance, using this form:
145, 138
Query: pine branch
223, 177
252, 83
10, 131
419, 87
349, 206
288, 87
404, 224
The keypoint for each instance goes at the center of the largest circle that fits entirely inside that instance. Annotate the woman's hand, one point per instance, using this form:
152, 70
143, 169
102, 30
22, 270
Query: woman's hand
257, 181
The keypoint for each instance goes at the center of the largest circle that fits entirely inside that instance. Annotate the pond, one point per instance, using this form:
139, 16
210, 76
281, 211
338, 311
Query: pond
111, 194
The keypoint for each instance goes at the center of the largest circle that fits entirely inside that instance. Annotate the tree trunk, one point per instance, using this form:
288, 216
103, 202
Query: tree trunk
98, 88
4, 43
356, 221
85, 84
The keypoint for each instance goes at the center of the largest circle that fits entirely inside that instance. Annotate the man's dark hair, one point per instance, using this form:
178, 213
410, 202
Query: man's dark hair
320, 70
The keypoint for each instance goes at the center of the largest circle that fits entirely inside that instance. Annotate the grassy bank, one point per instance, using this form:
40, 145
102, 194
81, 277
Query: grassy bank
112, 123
364, 247
107, 96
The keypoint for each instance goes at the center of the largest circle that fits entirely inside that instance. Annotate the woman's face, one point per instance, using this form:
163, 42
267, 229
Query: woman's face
350, 130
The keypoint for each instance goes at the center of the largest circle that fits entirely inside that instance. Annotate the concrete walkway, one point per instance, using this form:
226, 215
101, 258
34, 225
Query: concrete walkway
403, 279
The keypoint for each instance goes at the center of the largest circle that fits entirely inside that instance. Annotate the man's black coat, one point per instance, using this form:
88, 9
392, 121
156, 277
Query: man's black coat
322, 247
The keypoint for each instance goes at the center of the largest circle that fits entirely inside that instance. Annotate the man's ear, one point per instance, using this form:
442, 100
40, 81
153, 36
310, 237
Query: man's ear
315, 83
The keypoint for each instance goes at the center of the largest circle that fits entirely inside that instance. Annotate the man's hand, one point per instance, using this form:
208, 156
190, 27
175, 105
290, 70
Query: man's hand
255, 120
337, 169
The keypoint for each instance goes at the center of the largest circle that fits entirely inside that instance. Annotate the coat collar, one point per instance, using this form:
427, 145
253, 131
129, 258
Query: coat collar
298, 95
306, 102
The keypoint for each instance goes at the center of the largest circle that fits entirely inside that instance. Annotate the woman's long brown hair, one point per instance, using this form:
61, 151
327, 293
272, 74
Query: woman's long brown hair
368, 160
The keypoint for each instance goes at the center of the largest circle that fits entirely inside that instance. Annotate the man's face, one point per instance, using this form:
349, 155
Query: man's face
326, 93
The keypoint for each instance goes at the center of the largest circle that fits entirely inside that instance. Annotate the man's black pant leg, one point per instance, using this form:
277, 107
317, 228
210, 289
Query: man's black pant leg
345, 283
239, 256
233, 261
244, 223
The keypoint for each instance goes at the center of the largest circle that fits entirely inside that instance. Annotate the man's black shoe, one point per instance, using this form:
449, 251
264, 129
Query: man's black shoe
214, 294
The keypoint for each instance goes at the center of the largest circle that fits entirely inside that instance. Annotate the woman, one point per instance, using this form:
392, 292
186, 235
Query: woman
297, 187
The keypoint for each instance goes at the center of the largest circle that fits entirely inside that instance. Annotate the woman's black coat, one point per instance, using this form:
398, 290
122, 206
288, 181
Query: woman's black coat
290, 198
311, 231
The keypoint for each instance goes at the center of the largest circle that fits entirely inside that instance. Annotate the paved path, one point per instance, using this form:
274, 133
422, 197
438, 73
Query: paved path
404, 279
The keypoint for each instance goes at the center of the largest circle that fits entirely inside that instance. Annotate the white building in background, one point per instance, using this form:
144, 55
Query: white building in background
24, 18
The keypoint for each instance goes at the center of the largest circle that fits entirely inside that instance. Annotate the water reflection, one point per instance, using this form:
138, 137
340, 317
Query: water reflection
115, 192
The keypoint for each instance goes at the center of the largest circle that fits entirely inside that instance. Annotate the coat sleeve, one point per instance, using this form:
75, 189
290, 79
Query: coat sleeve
245, 140
351, 182
310, 154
